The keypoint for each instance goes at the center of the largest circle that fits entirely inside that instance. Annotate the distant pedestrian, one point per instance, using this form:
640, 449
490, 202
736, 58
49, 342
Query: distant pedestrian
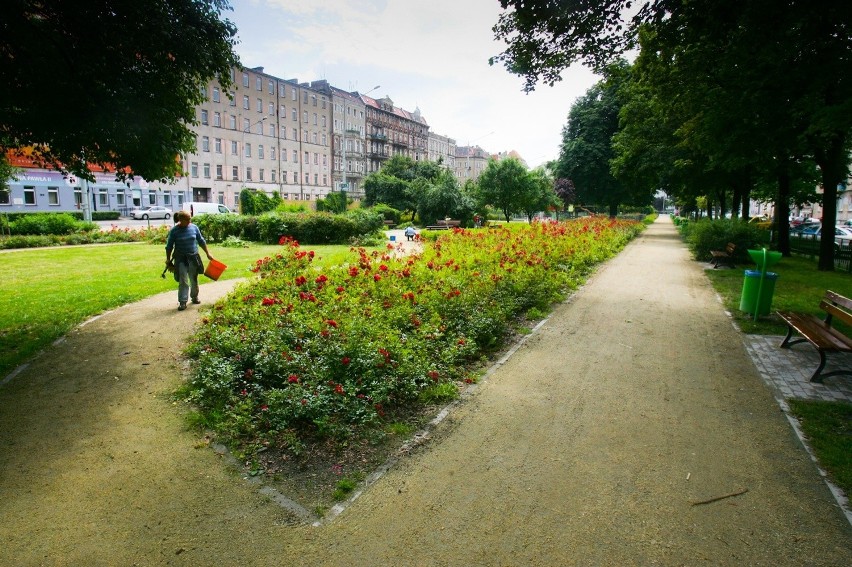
410, 233
182, 253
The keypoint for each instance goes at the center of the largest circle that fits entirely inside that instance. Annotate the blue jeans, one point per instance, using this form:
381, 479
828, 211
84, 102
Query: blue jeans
187, 271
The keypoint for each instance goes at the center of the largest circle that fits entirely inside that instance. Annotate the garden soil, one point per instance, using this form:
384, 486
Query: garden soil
600, 440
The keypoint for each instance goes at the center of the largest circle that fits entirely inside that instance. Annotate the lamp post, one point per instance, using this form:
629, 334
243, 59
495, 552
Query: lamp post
344, 185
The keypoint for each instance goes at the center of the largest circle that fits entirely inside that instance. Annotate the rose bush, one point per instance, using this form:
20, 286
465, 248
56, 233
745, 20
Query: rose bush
303, 352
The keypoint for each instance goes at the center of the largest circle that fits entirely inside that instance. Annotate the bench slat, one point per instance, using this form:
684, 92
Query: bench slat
817, 332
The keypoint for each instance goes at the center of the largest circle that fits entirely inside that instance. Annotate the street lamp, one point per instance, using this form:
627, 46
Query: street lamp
344, 185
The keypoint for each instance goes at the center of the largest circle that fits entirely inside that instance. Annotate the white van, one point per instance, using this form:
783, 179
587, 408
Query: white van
196, 208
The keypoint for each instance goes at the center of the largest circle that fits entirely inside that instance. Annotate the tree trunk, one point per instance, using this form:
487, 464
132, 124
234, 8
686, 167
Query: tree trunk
782, 206
831, 159
613, 210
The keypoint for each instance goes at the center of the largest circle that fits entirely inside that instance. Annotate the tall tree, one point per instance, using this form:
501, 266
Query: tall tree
113, 83
501, 185
781, 70
587, 150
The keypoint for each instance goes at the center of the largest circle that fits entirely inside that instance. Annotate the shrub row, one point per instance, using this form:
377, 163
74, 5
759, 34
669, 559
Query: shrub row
705, 235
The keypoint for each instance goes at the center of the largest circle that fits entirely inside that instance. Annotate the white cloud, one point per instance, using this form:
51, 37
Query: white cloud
432, 55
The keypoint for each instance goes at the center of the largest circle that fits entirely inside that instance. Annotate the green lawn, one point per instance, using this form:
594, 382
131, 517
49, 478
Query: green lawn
800, 286
46, 292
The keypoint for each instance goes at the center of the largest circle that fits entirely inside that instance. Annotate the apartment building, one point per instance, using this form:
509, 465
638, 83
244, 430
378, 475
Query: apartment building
442, 149
393, 131
470, 163
267, 134
348, 128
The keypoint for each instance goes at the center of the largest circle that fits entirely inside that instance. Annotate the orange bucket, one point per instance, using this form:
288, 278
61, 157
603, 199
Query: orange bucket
214, 269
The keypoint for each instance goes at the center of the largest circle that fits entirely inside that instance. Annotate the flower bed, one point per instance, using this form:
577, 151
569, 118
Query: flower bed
302, 353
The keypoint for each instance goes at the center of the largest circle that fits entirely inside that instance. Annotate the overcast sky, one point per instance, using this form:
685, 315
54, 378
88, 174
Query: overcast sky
427, 54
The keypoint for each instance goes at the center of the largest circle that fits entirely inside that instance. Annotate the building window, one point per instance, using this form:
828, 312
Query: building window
152, 198
218, 172
204, 91
119, 198
283, 112
233, 122
194, 169
260, 151
248, 150
248, 174
52, 195
272, 153
245, 102
324, 140
283, 133
295, 97
283, 155
295, 177
305, 116
316, 158
271, 108
316, 179
215, 94
235, 173
78, 197
245, 80
260, 105
313, 137
307, 179
217, 119
325, 179
205, 143
296, 134
260, 174
295, 157
234, 147
324, 159
206, 171
272, 130
218, 145
246, 124
315, 118
307, 157
5, 198
204, 117
103, 197
258, 83
271, 87
294, 114
324, 122
232, 100
272, 175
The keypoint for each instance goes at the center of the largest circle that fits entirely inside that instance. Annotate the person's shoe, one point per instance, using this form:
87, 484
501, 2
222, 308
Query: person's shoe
182, 306
196, 301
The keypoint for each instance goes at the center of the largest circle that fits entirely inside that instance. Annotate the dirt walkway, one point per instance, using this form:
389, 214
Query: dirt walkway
588, 446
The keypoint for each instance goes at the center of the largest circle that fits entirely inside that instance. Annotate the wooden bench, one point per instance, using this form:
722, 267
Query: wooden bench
445, 224
820, 333
726, 255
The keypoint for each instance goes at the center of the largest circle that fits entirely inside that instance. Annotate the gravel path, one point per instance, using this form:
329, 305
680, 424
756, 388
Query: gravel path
590, 445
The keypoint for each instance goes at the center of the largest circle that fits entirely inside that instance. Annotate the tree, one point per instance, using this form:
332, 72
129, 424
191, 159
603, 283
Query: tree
781, 72
441, 199
539, 194
381, 187
113, 83
501, 184
587, 150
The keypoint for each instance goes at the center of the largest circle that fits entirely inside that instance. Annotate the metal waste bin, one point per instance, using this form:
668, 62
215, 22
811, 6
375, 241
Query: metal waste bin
752, 288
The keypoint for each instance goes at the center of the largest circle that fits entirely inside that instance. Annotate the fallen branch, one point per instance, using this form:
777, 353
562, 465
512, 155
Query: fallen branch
737, 493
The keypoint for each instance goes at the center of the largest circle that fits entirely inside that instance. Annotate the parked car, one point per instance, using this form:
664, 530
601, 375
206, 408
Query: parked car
198, 208
151, 213
842, 235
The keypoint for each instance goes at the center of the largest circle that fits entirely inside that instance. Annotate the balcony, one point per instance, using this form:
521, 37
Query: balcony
380, 137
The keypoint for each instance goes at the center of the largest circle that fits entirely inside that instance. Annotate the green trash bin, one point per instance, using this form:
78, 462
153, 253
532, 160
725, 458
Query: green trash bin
751, 289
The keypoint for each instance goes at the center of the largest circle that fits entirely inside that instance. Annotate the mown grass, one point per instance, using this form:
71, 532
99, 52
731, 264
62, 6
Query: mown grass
46, 292
828, 427
800, 286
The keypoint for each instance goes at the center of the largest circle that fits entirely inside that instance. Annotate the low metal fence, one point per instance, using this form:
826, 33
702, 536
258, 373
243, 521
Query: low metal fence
808, 245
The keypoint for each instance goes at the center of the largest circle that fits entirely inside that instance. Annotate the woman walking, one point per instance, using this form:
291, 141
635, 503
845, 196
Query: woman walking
182, 253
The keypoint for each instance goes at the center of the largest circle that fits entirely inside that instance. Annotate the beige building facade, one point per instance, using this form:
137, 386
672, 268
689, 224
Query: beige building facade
442, 149
393, 131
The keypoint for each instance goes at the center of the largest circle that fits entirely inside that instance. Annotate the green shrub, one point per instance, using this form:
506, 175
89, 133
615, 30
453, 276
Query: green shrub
387, 212
705, 235
29, 241
44, 223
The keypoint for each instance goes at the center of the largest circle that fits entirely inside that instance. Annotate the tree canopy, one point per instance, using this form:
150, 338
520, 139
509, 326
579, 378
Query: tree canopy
747, 88
114, 83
